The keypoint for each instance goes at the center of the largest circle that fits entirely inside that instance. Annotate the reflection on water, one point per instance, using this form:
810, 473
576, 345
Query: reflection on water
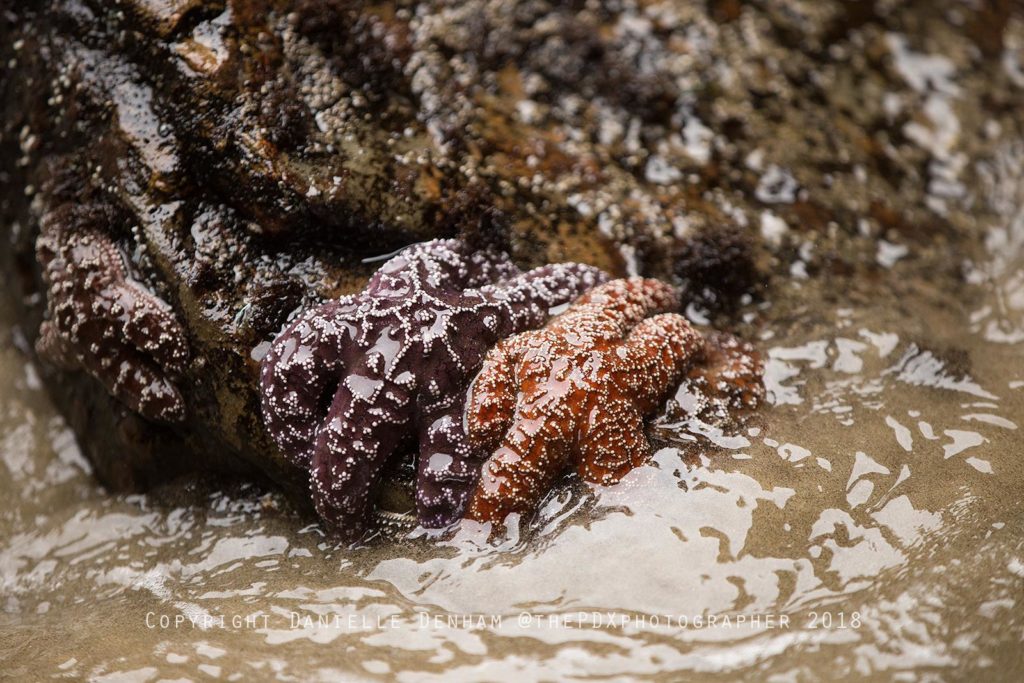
867, 520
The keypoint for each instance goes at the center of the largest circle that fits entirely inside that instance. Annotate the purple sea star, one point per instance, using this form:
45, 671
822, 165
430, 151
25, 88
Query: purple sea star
103, 321
351, 381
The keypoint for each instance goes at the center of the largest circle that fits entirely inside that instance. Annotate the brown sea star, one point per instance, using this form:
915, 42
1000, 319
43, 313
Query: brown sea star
576, 392
104, 322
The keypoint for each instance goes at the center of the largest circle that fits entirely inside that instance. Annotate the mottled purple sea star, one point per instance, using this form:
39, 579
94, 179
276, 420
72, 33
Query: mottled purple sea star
103, 321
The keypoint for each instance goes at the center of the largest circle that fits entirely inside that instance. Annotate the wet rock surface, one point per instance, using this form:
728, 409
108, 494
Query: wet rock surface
252, 154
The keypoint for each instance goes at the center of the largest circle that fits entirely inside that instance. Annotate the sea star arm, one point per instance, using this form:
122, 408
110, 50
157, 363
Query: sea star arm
152, 328
118, 332
732, 372
485, 266
148, 392
622, 303
455, 442
442, 266
351, 452
52, 346
520, 471
299, 375
530, 296
613, 445
123, 370
492, 395
448, 468
658, 351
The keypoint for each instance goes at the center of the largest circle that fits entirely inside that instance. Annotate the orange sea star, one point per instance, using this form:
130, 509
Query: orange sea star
576, 392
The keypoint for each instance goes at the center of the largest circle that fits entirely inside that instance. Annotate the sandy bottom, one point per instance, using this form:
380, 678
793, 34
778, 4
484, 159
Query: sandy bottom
868, 521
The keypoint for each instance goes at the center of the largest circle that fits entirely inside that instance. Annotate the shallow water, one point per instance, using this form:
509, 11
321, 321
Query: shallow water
868, 520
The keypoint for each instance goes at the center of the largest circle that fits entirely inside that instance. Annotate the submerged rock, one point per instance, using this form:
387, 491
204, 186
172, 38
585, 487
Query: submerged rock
249, 156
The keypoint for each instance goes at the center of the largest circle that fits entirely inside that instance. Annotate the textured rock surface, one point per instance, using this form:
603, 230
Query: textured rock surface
258, 150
